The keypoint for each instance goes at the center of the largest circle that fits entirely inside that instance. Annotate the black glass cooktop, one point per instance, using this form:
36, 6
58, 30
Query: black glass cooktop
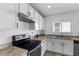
27, 44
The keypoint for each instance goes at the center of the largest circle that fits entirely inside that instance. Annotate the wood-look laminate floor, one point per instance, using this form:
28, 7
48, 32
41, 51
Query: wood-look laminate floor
48, 53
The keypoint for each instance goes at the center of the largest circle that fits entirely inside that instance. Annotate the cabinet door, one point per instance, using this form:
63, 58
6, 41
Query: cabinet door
8, 12
36, 16
23, 7
36, 21
59, 46
41, 22
53, 44
32, 12
50, 45
68, 47
36, 25
43, 47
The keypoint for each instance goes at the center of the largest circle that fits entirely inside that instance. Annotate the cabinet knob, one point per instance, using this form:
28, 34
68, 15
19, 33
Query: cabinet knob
52, 42
29, 13
62, 44
17, 25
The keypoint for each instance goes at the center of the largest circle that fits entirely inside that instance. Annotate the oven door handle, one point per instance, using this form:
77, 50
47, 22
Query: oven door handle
33, 49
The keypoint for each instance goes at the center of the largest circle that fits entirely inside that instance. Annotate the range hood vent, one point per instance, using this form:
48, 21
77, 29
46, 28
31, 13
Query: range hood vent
24, 18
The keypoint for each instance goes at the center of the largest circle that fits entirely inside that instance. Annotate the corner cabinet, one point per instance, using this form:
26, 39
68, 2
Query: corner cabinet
43, 47
8, 15
50, 45
39, 21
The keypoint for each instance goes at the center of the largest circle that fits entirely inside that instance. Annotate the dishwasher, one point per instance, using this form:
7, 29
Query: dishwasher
76, 48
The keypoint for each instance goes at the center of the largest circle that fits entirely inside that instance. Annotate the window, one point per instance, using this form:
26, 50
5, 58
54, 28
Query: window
61, 26
65, 26
56, 27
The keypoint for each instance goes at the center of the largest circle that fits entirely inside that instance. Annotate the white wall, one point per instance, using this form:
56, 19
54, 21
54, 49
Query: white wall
5, 36
8, 23
72, 17
7, 33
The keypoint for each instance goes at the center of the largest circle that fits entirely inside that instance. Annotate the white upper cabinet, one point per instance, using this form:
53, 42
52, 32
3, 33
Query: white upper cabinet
36, 16
41, 21
23, 7
27, 10
8, 14
32, 12
36, 21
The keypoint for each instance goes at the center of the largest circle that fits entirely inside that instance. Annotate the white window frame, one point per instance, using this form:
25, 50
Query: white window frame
54, 26
61, 26
64, 29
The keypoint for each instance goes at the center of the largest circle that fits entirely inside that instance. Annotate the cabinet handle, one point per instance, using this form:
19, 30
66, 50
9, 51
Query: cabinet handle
17, 25
29, 13
52, 42
62, 44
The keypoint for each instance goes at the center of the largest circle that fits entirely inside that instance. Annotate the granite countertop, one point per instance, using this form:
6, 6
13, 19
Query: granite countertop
40, 38
65, 37
13, 51
53, 36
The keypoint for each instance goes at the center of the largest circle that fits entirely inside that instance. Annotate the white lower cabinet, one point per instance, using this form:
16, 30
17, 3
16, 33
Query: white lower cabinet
68, 47
50, 45
43, 47
60, 46
64, 46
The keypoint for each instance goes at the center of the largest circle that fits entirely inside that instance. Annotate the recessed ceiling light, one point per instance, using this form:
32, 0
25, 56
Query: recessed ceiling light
49, 6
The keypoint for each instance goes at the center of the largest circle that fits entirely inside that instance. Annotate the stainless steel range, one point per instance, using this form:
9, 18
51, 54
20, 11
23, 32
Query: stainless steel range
33, 46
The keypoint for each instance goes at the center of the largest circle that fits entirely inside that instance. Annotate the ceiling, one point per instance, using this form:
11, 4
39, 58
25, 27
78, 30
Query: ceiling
56, 8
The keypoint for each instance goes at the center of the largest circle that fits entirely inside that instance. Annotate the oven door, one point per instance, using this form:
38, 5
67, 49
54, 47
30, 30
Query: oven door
35, 52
